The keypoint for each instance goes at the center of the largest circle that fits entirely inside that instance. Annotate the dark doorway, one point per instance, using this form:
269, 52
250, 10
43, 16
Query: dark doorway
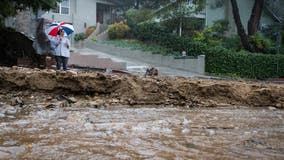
100, 13
104, 13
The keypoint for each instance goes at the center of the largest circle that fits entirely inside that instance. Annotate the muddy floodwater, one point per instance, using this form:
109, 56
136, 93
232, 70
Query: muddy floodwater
122, 132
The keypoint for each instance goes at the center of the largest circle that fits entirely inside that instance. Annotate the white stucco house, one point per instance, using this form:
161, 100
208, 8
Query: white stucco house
83, 13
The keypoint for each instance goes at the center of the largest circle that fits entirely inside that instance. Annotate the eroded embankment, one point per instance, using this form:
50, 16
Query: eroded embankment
134, 90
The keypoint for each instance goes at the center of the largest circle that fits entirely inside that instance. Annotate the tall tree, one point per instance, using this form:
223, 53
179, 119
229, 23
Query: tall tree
253, 22
240, 27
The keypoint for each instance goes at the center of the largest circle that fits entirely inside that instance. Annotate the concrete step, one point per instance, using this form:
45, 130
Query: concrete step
103, 36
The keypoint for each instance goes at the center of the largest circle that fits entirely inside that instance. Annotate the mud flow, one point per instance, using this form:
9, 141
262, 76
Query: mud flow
46, 114
121, 132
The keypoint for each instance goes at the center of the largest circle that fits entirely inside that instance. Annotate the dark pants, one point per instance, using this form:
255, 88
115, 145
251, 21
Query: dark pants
60, 60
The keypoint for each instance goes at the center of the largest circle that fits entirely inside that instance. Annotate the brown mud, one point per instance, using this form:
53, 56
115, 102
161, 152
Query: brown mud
107, 89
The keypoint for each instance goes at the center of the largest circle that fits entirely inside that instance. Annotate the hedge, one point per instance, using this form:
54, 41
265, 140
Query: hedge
219, 60
243, 64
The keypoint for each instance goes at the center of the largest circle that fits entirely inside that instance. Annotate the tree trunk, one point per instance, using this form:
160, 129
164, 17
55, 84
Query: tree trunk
253, 22
240, 27
137, 4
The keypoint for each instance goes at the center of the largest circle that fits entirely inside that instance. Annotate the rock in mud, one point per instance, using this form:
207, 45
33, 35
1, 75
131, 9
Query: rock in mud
17, 101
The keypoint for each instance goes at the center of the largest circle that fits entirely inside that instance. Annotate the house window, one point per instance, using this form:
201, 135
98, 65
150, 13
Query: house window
63, 7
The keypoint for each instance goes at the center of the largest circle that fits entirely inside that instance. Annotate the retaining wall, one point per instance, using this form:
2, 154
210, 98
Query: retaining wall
195, 65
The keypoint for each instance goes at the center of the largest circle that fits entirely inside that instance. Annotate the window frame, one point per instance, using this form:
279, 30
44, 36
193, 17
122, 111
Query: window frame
60, 6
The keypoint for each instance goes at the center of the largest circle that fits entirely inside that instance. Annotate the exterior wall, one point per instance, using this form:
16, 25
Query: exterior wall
225, 12
213, 14
245, 8
82, 14
85, 15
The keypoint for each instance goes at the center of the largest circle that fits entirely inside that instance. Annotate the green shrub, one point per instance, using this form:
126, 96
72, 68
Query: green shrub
153, 31
259, 43
189, 25
90, 30
80, 36
94, 39
233, 43
243, 64
118, 30
281, 50
220, 26
150, 31
207, 37
136, 16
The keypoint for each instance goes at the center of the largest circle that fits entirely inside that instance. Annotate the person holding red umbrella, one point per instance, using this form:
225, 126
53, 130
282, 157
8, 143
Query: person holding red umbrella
62, 53
59, 43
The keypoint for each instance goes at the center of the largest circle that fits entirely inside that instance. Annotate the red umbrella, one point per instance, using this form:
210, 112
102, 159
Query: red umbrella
54, 27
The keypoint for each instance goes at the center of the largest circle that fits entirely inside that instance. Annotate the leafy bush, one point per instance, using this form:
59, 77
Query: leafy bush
118, 30
207, 37
220, 26
233, 43
281, 50
90, 30
259, 43
212, 36
220, 60
135, 16
94, 39
80, 36
189, 25
153, 31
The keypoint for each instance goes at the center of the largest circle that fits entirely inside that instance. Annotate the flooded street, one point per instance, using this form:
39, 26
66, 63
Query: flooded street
121, 132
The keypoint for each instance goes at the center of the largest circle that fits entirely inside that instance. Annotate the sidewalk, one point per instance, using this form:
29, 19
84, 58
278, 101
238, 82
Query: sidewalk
135, 66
